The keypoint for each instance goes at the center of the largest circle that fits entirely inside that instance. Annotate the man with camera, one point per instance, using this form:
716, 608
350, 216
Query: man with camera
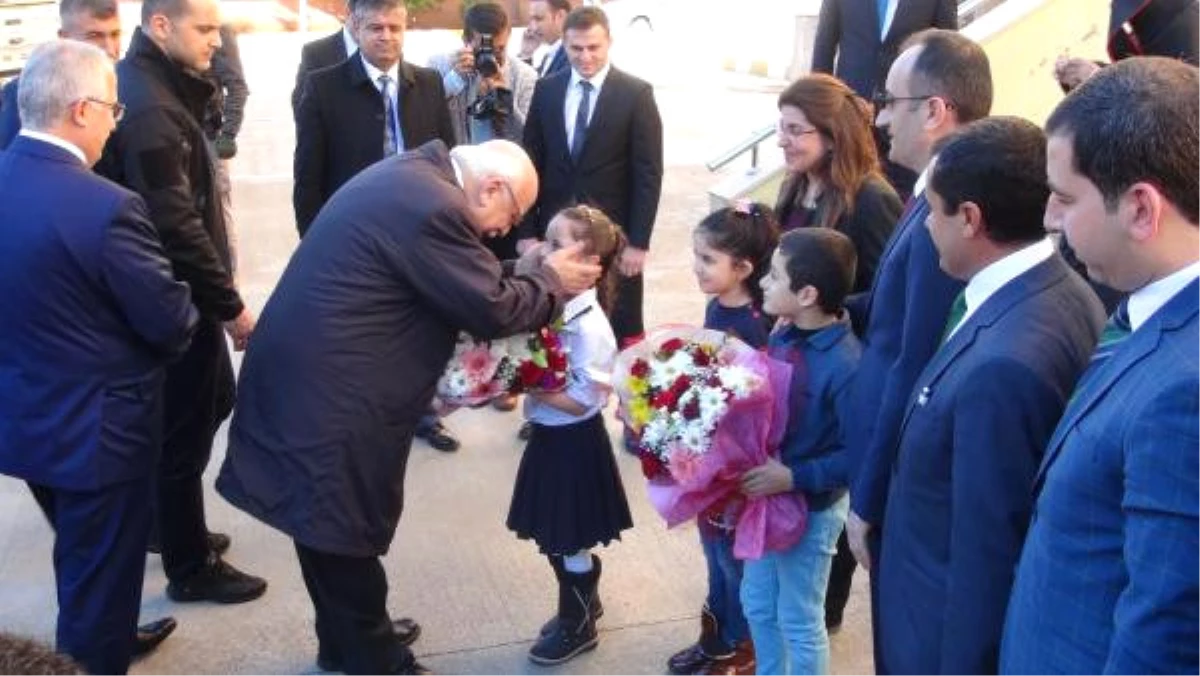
488, 93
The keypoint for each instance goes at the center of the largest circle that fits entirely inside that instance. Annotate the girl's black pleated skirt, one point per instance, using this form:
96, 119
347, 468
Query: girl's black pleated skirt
568, 494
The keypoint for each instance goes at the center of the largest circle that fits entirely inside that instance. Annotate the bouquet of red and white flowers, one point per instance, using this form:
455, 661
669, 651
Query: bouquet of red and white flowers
482, 370
705, 408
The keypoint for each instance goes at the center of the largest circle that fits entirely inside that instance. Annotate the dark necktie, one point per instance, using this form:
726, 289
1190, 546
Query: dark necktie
391, 136
1116, 330
581, 119
958, 309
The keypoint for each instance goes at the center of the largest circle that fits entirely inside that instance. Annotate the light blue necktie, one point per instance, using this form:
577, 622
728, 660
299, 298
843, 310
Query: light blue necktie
391, 127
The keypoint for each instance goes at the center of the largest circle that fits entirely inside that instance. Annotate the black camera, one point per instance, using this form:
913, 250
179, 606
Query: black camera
496, 104
485, 57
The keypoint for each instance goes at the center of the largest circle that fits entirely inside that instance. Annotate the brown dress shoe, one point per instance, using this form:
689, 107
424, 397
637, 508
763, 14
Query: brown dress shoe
740, 662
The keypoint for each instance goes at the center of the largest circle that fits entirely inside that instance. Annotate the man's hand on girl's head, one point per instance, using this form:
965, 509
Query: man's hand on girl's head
576, 272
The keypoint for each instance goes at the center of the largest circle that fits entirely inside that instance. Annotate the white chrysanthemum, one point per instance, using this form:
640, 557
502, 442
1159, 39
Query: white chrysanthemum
664, 373
693, 437
655, 432
712, 405
737, 379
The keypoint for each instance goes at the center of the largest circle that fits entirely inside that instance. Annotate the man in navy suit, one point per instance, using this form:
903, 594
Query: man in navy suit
1108, 580
940, 82
595, 136
546, 21
1016, 341
92, 314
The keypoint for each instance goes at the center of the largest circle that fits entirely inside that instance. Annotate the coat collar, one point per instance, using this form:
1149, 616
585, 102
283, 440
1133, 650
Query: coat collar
1178, 311
358, 73
32, 147
193, 90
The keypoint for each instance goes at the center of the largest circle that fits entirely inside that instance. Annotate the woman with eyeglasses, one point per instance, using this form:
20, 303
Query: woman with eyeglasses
834, 178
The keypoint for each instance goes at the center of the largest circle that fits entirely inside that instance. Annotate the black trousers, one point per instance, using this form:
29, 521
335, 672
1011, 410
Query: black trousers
626, 311
874, 540
99, 564
349, 595
199, 395
841, 577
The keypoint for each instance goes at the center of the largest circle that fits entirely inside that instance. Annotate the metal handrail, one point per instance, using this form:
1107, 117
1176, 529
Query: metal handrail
749, 143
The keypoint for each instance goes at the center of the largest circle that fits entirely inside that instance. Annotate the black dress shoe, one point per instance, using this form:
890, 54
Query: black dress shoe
440, 438
405, 628
217, 542
149, 635
219, 582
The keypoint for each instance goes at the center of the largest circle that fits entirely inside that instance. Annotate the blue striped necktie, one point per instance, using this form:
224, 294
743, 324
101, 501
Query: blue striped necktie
391, 139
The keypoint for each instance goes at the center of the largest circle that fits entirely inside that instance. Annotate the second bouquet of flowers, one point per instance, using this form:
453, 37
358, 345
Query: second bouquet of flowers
705, 408
482, 370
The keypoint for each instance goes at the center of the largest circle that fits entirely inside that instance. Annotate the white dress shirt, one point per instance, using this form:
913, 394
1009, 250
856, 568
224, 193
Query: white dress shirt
1147, 300
393, 93
591, 349
575, 95
54, 141
349, 42
994, 277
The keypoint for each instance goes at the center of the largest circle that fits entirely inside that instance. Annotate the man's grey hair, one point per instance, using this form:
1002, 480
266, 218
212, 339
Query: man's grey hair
58, 74
99, 9
360, 10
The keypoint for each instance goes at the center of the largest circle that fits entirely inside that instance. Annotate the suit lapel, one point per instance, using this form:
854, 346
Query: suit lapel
917, 211
557, 86
1138, 346
1033, 281
604, 101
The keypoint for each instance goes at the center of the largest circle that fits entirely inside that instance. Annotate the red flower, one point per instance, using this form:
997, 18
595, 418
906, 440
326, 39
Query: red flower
701, 357
691, 410
529, 374
665, 400
681, 385
639, 369
652, 467
557, 361
670, 347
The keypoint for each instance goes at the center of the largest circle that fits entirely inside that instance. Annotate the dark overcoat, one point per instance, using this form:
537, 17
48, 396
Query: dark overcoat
349, 348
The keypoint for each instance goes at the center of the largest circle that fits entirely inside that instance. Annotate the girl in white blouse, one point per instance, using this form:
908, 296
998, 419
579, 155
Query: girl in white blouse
568, 495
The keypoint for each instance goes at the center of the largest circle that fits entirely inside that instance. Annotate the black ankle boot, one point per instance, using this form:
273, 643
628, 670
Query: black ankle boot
597, 608
575, 630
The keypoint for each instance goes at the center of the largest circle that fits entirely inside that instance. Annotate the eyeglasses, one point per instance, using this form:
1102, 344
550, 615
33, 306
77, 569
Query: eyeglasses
795, 130
885, 99
117, 108
515, 217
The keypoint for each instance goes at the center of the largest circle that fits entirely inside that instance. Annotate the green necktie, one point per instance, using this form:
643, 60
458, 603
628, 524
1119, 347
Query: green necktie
957, 309
1116, 330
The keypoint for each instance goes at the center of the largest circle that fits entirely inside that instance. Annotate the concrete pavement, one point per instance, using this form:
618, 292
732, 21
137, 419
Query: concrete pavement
480, 593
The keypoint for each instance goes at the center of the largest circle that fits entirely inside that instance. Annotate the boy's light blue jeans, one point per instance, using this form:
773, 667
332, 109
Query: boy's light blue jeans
783, 596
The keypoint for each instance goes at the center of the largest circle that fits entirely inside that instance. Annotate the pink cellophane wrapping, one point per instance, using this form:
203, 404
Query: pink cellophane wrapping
744, 438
